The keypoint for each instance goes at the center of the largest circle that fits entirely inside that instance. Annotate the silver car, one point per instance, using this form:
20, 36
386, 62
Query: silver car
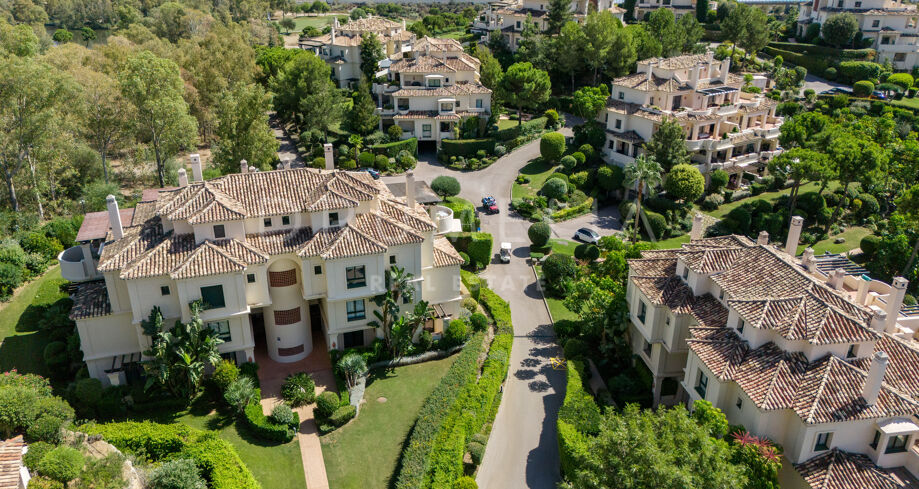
587, 235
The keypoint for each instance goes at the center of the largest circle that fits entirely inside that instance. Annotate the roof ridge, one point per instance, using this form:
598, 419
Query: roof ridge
824, 378
204, 247
145, 255
394, 222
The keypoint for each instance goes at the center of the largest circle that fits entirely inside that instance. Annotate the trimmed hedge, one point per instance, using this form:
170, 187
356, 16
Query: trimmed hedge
393, 149
467, 147
342, 415
573, 211
264, 427
578, 417
814, 64
218, 461
815, 50
477, 245
535, 125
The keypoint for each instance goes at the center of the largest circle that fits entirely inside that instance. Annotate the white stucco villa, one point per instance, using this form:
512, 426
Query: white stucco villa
278, 257
509, 17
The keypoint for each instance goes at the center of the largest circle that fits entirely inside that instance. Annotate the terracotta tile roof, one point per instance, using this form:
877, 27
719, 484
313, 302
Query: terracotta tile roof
214, 258
455, 89
96, 224
639, 81
90, 300
677, 62
435, 64
371, 24
837, 469
417, 219
143, 212
386, 230
710, 260
437, 44
653, 267
902, 366
351, 242
445, 254
137, 240
280, 242
10, 462
803, 318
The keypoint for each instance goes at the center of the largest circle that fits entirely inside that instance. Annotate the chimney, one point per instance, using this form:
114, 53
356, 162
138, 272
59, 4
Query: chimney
195, 160
252, 169
696, 232
894, 301
650, 72
329, 158
725, 69
403, 25
808, 260
863, 282
878, 319
875, 377
333, 32
694, 76
794, 233
183, 177
836, 278
243, 166
410, 189
763, 238
114, 217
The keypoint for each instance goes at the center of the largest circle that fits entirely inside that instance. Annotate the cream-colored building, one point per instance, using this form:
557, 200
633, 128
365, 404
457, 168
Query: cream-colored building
804, 351
893, 25
725, 127
510, 17
278, 258
341, 47
432, 90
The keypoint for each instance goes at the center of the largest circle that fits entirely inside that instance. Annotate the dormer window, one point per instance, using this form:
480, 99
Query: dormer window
621, 95
851, 352
740, 325
267, 222
875, 23
685, 272
823, 441
219, 231
618, 123
333, 219
164, 290
434, 83
285, 220
721, 295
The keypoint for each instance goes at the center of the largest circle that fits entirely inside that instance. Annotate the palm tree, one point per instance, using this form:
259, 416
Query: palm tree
357, 142
352, 366
644, 172
398, 287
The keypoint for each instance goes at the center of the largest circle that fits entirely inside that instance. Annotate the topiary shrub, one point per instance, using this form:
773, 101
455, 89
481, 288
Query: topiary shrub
581, 158
902, 80
365, 159
555, 188
575, 349
568, 162
395, 132
539, 234
326, 404
299, 389
342, 415
863, 88
455, 333
870, 245
46, 428
37, 451
381, 162
586, 252
176, 474
445, 186
552, 146
478, 321
551, 116
684, 183
656, 222
224, 375
62, 464
282, 414
476, 451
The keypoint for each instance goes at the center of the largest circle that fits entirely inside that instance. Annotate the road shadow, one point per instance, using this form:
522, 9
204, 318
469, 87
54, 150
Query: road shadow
525, 374
543, 334
532, 291
542, 470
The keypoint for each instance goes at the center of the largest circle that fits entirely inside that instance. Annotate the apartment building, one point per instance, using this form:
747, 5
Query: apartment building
725, 128
807, 352
278, 258
893, 25
510, 17
341, 47
432, 90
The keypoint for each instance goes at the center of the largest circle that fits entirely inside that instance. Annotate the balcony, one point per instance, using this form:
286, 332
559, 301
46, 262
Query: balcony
726, 110
75, 267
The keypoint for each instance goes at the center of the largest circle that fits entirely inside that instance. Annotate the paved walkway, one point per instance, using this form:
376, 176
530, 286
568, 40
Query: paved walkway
271, 375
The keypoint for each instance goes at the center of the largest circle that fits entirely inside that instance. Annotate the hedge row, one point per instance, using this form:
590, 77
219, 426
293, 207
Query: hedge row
815, 65
467, 147
578, 418
535, 125
498, 308
216, 458
815, 50
477, 245
263, 427
393, 149
414, 463
573, 211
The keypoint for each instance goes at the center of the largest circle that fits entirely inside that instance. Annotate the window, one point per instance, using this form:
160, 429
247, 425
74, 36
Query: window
739, 403
426, 130
823, 441
317, 270
212, 297
356, 310
285, 220
642, 309
518, 24
355, 277
222, 328
877, 440
478, 103
899, 57
621, 95
886, 40
851, 352
164, 290
267, 222
353, 339
721, 295
333, 219
858, 4
434, 83
896, 444
219, 231
702, 384
685, 274
612, 144
392, 260
875, 23
740, 325
839, 3
647, 349
667, 320
618, 123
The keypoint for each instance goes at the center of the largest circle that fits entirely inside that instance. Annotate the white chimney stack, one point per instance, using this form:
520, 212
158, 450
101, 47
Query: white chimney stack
243, 166
333, 30
183, 177
195, 160
114, 217
794, 234
410, 189
725, 69
696, 231
894, 301
694, 76
808, 260
650, 72
763, 238
863, 283
878, 319
836, 278
875, 378
329, 156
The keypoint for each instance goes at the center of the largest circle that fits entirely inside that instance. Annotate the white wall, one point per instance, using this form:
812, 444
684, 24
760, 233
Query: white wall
231, 229
337, 284
107, 336
234, 295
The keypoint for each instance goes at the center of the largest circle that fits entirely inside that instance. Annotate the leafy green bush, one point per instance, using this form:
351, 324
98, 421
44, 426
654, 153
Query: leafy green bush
342, 415
176, 474
299, 389
575, 349
551, 116
425, 340
476, 451
579, 179
657, 222
555, 188
46, 428
530, 127
240, 393
685, 183
225, 374
445, 186
266, 428
579, 407
712, 202
282, 414
552, 146
456, 333
903, 80
38, 243
558, 270
10, 278
539, 234
42, 482
392, 150
36, 452
365, 159
467, 482
249, 369
326, 404
466, 147
568, 162
381, 162
859, 70
573, 211
870, 245
863, 88
62, 464
478, 321
480, 248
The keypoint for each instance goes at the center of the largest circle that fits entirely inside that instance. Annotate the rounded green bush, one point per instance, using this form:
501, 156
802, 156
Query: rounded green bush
282, 414
684, 183
539, 234
586, 252
62, 464
381, 162
456, 333
46, 428
870, 245
342, 415
224, 375
552, 146
89, 391
568, 162
657, 222
394, 132
718, 179
862, 88
42, 482
478, 321
299, 389
445, 186
476, 451
579, 179
903, 80
37, 451
581, 158
551, 116
555, 188
575, 349
176, 474
327, 403
239, 393
365, 159
558, 270
465, 257
466, 482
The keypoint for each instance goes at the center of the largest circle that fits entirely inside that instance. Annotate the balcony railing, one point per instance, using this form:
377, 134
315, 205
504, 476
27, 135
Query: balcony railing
75, 267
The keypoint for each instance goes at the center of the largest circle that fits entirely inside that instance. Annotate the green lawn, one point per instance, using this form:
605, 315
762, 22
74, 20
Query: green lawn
454, 34
722, 211
538, 171
666, 244
22, 344
318, 22
458, 204
506, 124
910, 103
364, 453
557, 308
853, 236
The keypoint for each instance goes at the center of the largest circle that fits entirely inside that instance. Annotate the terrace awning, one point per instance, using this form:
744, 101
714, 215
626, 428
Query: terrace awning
716, 91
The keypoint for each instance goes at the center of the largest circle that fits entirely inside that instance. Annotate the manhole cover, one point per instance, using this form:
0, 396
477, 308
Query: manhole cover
381, 399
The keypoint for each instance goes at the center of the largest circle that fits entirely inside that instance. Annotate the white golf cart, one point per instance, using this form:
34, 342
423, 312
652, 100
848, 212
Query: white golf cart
505, 252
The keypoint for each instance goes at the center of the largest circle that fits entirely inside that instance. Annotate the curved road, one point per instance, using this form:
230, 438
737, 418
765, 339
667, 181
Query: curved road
522, 451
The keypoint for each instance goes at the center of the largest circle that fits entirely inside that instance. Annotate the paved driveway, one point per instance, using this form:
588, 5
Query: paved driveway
604, 220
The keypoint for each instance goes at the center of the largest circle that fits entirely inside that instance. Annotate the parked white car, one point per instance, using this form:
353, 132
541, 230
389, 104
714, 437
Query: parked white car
587, 235
505, 252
